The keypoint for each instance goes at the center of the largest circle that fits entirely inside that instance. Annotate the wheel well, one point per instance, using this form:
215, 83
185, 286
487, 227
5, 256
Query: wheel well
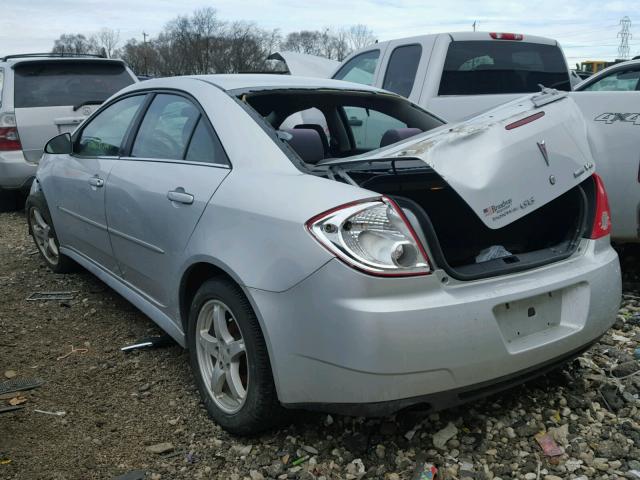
192, 279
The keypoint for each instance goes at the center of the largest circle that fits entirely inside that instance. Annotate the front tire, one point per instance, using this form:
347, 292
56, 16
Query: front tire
229, 359
44, 235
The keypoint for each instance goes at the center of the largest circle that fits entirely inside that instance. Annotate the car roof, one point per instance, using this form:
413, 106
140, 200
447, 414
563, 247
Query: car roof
607, 71
467, 36
250, 81
14, 60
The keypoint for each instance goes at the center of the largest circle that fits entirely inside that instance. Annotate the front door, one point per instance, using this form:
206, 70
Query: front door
78, 181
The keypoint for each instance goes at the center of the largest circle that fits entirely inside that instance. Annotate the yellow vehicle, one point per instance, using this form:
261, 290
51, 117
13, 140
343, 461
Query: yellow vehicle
594, 66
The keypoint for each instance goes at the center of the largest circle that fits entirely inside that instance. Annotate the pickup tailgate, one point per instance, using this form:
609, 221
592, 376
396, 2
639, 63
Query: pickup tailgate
508, 161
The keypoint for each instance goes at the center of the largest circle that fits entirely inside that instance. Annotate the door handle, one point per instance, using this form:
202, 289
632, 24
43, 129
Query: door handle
96, 182
180, 196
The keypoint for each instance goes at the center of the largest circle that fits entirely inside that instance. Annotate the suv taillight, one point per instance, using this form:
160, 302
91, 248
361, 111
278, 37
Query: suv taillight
9, 139
602, 219
373, 236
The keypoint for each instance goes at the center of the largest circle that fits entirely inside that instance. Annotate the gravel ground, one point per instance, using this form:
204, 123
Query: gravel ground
120, 408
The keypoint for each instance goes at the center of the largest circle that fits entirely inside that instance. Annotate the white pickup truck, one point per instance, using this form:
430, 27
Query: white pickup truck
458, 75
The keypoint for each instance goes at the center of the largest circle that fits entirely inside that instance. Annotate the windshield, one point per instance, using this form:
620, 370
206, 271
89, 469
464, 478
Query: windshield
498, 66
48, 84
319, 125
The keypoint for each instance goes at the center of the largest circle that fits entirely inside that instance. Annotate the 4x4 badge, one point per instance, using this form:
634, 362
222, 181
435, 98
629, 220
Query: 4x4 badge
543, 150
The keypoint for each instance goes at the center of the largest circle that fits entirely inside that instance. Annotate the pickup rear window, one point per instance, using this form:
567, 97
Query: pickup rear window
499, 66
58, 83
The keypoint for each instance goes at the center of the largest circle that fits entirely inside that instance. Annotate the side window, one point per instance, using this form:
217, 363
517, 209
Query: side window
368, 126
166, 128
205, 147
359, 69
401, 69
619, 81
103, 136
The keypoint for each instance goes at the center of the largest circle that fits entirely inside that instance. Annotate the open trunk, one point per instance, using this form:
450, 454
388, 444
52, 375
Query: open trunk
463, 245
507, 190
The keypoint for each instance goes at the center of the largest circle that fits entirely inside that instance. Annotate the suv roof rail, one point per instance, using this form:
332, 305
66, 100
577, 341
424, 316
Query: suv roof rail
53, 54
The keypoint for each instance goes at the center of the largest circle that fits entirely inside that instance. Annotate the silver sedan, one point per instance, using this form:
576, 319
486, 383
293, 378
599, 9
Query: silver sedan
325, 245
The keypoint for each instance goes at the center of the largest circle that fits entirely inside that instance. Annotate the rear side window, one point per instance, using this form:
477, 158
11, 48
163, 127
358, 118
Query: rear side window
60, 83
360, 69
166, 129
499, 66
623, 81
402, 68
104, 134
204, 146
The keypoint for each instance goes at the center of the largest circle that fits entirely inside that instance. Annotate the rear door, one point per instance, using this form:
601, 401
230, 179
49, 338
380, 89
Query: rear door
613, 123
157, 193
55, 96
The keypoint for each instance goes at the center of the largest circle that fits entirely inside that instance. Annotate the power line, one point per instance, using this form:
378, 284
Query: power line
624, 35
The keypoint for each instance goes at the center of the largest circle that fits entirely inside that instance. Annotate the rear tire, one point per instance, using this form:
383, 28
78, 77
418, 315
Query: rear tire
229, 359
44, 235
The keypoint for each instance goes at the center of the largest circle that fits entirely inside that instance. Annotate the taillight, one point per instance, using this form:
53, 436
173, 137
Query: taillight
373, 236
9, 139
506, 36
602, 218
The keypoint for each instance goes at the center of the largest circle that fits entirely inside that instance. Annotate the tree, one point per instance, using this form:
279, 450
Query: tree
74, 43
359, 36
201, 43
108, 40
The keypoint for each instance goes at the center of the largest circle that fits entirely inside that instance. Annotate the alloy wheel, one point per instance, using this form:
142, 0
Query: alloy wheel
43, 236
222, 356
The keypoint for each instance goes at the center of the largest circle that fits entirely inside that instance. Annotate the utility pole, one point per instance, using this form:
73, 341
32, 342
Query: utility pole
474, 25
624, 35
144, 56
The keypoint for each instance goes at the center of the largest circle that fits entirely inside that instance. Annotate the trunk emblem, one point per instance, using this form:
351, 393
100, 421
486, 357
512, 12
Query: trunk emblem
543, 150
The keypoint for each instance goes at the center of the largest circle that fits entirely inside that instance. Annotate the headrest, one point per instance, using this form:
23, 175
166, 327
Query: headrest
397, 134
306, 143
318, 128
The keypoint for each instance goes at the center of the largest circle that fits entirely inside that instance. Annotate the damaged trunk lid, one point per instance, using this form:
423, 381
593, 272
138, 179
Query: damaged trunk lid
507, 162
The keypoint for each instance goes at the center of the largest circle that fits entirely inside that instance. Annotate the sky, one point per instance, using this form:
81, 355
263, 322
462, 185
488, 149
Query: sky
586, 29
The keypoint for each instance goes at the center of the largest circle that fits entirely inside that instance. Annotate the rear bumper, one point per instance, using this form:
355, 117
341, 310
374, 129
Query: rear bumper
340, 339
15, 171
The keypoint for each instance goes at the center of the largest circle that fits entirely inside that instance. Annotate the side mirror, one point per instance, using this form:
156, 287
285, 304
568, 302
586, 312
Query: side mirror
59, 145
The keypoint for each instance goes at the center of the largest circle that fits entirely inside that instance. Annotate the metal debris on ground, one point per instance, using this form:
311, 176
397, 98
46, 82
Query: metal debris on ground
426, 471
59, 413
11, 408
73, 350
44, 296
548, 444
20, 385
150, 342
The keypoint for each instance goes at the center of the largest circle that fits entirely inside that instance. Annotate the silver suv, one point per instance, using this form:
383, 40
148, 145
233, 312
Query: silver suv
42, 95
